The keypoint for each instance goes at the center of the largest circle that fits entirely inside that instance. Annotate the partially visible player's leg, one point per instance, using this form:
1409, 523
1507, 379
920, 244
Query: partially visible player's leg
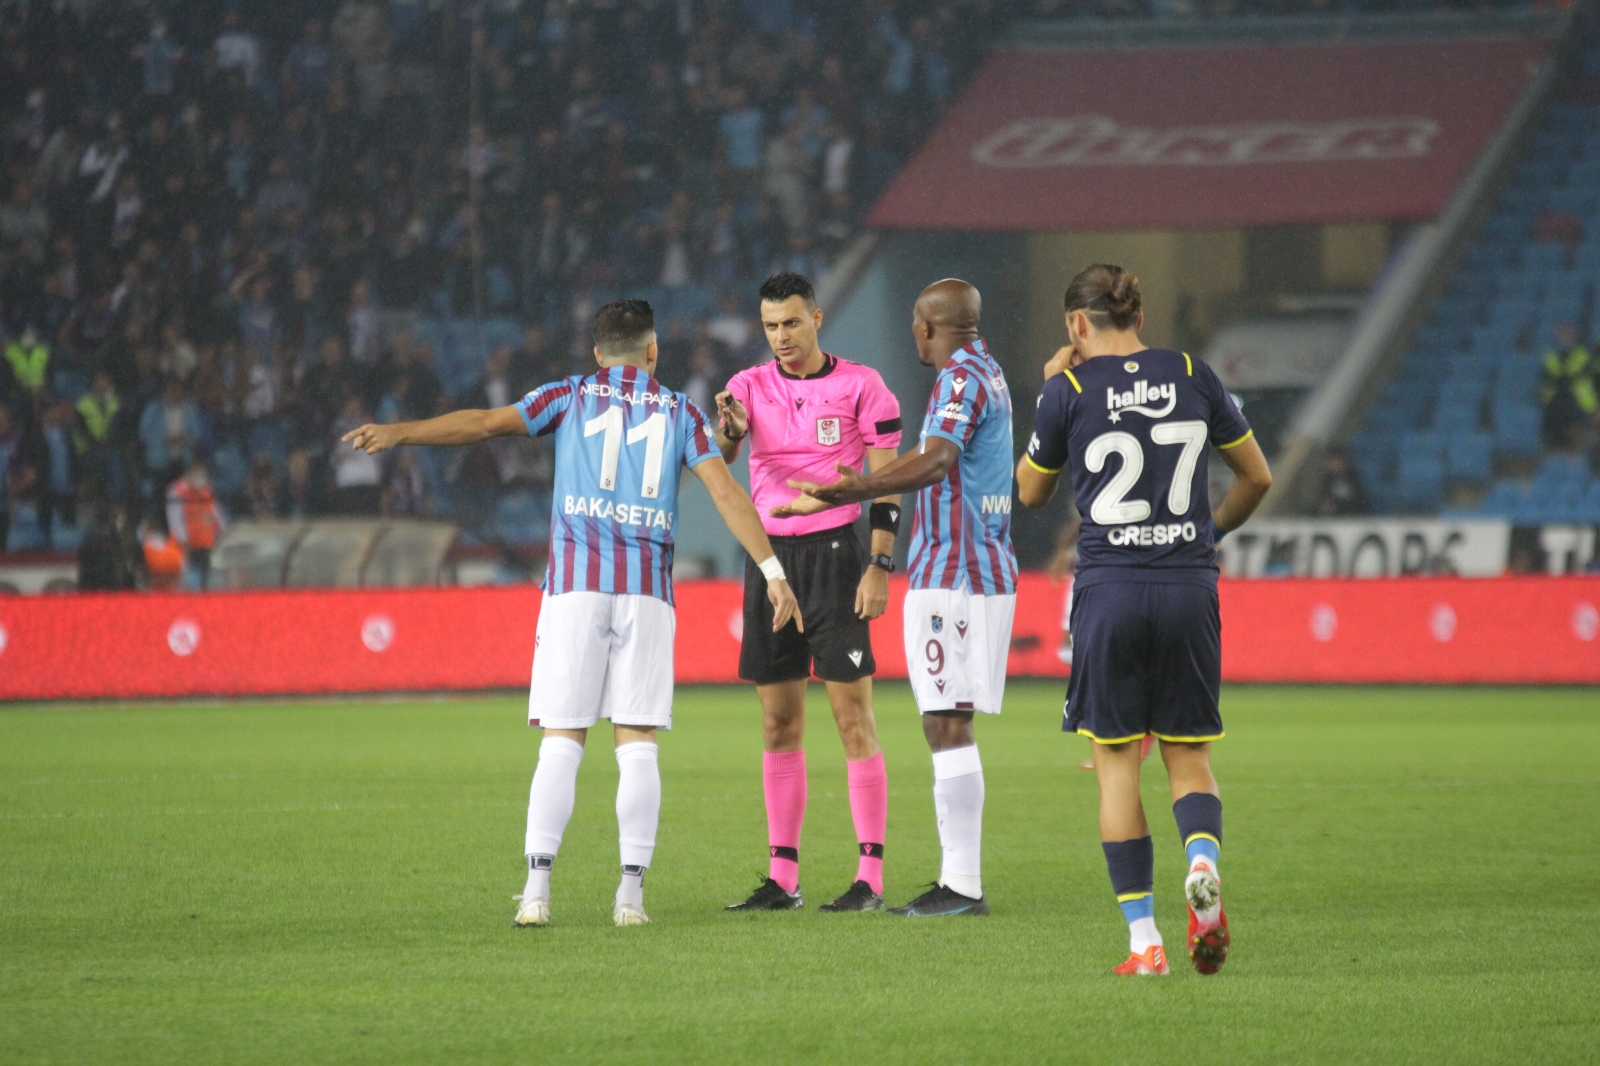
1108, 700
1197, 807
638, 699
1187, 661
570, 661
869, 790
1130, 855
779, 664
942, 627
638, 814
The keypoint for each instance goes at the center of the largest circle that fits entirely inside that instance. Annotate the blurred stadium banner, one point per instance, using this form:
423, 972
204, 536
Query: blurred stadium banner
1367, 547
1521, 630
1141, 138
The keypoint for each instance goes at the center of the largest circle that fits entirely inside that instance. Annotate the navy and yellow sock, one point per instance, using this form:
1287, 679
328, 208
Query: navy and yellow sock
1132, 865
1199, 816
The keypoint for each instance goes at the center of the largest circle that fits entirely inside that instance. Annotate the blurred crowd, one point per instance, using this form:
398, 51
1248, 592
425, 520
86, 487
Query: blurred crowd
221, 224
230, 231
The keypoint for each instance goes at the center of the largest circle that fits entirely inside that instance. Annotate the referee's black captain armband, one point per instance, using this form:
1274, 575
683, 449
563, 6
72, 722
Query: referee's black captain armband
885, 516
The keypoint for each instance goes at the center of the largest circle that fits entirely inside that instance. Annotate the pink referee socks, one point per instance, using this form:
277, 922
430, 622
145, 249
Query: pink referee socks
783, 778
869, 809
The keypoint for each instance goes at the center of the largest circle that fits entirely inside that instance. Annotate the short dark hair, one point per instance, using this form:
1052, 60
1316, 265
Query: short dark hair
620, 327
780, 287
1108, 293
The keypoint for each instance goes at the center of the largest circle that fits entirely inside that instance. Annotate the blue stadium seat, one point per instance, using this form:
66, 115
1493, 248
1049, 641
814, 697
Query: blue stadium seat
1423, 444
25, 534
1589, 509
1516, 431
1372, 454
522, 518
1421, 481
1473, 369
1469, 457
1570, 200
1561, 471
1517, 381
1455, 418
229, 468
1502, 500
1544, 256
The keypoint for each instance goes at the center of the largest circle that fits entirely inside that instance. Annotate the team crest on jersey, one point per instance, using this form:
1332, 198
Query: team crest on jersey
1131, 367
938, 624
828, 431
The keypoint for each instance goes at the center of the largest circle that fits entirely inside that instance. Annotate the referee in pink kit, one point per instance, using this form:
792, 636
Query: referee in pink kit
805, 411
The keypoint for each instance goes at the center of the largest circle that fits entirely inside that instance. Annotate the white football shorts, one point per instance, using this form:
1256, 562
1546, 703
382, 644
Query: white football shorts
956, 649
602, 655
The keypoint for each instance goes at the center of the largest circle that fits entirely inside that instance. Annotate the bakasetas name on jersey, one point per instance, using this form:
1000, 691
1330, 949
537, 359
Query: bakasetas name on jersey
605, 390
621, 513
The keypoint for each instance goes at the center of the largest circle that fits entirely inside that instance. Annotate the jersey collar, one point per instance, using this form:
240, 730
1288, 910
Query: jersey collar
828, 363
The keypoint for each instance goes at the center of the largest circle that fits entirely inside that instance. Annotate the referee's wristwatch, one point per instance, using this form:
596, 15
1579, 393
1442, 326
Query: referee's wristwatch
883, 562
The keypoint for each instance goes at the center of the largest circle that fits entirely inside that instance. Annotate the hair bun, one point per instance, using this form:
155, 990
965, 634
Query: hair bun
1109, 294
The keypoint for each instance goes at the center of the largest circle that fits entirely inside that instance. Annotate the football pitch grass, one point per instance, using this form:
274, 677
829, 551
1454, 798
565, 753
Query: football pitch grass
1410, 874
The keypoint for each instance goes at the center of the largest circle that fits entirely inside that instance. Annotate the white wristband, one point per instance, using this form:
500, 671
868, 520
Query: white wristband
772, 569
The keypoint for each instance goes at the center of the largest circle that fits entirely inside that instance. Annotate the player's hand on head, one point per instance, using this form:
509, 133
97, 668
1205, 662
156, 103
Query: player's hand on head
785, 607
1066, 358
372, 439
872, 594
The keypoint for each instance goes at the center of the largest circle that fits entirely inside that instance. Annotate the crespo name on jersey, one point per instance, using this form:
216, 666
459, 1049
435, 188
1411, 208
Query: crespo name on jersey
1146, 536
604, 389
622, 514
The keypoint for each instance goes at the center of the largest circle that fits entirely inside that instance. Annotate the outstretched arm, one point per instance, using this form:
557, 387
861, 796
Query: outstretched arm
740, 514
457, 427
912, 471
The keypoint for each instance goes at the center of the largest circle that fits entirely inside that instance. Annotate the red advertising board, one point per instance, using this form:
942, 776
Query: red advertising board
1157, 138
1386, 630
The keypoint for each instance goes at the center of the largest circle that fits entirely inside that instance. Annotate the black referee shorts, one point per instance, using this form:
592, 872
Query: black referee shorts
823, 569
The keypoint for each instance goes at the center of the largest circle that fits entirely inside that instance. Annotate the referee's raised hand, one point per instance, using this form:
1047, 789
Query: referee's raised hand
732, 418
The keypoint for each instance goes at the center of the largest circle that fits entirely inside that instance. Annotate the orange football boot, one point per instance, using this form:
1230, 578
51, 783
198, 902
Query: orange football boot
1208, 922
1150, 962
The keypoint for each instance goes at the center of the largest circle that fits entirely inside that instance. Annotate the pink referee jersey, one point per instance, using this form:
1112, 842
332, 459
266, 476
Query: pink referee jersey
801, 427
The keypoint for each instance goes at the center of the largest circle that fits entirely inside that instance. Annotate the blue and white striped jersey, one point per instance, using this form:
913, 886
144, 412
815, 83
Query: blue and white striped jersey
961, 531
621, 439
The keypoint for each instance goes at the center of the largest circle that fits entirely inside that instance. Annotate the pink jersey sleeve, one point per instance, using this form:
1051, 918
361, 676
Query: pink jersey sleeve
879, 413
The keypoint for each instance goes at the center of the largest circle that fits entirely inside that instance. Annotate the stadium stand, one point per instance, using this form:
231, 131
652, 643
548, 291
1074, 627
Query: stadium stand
237, 230
1466, 427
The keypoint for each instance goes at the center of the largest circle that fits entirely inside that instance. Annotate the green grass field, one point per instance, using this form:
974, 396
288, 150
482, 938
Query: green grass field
1410, 873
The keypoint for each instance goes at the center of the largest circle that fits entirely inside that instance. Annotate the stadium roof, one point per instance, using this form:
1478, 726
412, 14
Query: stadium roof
1182, 137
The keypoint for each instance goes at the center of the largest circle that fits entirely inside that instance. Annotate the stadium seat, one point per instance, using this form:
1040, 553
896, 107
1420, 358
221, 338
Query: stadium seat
1469, 458
1456, 418
1421, 481
1502, 500
1516, 431
25, 534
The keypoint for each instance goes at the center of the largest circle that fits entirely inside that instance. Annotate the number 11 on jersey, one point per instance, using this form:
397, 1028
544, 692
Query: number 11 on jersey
653, 431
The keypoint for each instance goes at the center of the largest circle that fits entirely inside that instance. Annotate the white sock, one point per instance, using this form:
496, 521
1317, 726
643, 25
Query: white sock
550, 800
638, 813
631, 891
958, 801
1143, 935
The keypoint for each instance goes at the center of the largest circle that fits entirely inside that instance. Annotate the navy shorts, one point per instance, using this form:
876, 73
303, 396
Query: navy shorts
1146, 658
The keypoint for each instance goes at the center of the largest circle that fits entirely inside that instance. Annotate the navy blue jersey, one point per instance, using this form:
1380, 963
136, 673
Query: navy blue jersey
1135, 429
